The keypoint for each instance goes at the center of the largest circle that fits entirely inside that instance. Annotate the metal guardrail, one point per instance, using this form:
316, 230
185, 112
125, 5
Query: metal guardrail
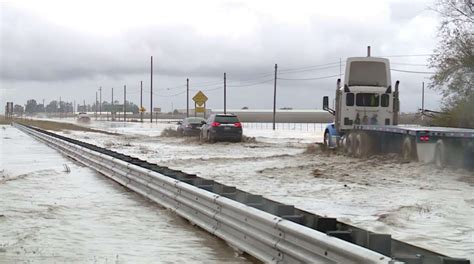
280, 234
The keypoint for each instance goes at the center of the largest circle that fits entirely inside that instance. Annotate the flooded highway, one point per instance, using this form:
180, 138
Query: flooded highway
407, 200
54, 210
50, 211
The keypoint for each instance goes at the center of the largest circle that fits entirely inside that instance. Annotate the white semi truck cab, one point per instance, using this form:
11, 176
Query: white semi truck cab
366, 119
366, 97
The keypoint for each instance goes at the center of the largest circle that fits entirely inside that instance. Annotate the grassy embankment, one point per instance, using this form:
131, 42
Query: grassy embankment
51, 125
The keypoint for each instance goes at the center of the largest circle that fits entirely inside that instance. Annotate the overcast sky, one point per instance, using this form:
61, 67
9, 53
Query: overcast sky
71, 48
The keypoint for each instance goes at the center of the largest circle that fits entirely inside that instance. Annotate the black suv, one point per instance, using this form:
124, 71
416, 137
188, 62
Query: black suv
190, 126
221, 127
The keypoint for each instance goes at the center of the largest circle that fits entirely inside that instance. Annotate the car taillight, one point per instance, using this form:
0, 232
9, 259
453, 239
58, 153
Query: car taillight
238, 124
424, 138
215, 124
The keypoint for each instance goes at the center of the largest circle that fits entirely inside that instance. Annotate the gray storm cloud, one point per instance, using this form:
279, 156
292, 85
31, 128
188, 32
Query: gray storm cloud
37, 52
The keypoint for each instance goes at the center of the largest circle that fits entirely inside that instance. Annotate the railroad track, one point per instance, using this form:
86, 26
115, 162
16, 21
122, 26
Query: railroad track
268, 230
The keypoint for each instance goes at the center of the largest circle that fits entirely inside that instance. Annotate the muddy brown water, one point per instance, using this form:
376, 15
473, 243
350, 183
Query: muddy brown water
49, 215
416, 203
413, 202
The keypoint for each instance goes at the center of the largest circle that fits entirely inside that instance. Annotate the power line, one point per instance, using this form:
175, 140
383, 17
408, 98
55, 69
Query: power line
307, 79
169, 95
216, 85
315, 69
410, 55
419, 72
409, 64
308, 67
132, 92
252, 84
212, 89
206, 83
172, 87
251, 78
260, 76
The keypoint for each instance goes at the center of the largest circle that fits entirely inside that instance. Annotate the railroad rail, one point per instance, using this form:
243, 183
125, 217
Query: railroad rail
270, 231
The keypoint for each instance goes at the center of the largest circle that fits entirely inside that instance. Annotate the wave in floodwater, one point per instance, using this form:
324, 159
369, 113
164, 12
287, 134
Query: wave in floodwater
49, 215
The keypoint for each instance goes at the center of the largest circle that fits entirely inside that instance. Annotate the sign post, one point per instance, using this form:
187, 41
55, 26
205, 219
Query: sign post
200, 103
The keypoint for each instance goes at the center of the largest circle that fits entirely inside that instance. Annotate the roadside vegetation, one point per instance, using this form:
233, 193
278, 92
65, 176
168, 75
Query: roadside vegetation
51, 125
4, 121
453, 62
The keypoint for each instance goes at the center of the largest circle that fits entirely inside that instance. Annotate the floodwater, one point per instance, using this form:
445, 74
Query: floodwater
414, 202
54, 210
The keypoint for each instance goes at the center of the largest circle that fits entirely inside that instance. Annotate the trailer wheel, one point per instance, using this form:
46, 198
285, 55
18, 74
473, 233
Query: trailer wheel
440, 154
361, 145
349, 144
407, 149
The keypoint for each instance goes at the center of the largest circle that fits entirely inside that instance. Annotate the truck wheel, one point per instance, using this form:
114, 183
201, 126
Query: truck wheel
326, 139
361, 145
408, 149
210, 138
348, 145
440, 154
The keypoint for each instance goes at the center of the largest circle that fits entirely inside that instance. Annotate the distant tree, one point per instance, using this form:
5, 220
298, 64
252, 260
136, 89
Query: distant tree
64, 107
52, 107
18, 109
107, 107
286, 108
245, 108
131, 107
31, 106
453, 62
39, 108
68, 107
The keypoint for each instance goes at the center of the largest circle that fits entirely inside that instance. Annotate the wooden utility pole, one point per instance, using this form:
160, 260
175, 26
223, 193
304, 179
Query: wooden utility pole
225, 103
141, 101
274, 96
95, 107
151, 89
112, 110
124, 103
100, 101
187, 97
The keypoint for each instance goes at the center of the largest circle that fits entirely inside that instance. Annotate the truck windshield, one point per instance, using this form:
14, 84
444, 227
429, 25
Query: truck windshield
367, 73
367, 99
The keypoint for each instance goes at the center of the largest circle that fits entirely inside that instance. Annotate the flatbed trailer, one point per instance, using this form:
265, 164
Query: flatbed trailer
366, 120
441, 145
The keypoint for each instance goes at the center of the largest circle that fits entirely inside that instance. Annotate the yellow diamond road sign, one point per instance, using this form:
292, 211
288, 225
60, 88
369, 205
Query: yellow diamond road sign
200, 109
200, 98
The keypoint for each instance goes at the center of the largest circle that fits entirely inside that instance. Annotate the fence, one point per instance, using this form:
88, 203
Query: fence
309, 127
